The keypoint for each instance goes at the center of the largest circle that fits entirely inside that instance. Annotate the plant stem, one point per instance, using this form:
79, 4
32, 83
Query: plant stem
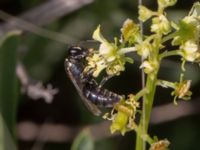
127, 50
170, 53
141, 93
148, 100
169, 37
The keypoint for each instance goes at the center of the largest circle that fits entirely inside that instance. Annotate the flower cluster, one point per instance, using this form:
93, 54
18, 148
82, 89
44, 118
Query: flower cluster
160, 23
109, 56
188, 37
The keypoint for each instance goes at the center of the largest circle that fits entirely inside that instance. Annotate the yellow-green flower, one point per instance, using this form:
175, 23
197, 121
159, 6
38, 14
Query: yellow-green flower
188, 29
123, 115
96, 63
115, 68
166, 3
106, 49
160, 25
182, 90
190, 51
119, 123
144, 49
160, 145
130, 31
149, 66
109, 56
145, 13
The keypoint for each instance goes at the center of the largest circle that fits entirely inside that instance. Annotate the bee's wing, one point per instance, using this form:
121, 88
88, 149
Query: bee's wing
91, 107
89, 44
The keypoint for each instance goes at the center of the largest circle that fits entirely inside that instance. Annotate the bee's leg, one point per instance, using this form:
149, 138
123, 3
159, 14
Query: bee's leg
104, 80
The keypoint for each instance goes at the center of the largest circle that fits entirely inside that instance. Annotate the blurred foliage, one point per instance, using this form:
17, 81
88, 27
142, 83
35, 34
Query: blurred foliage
43, 59
83, 141
8, 86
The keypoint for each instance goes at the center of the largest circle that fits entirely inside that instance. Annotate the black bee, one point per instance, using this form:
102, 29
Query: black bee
92, 94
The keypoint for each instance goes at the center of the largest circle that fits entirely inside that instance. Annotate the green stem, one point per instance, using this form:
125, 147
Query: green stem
127, 50
145, 137
148, 102
165, 83
170, 53
141, 93
169, 37
148, 99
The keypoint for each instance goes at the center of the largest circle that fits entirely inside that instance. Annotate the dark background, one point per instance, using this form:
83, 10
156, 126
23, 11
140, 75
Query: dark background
43, 59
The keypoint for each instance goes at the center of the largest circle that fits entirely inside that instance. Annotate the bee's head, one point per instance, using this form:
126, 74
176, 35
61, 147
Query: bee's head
75, 52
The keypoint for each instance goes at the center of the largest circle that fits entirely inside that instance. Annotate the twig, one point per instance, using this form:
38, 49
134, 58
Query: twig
27, 131
23, 25
42, 15
34, 91
46, 12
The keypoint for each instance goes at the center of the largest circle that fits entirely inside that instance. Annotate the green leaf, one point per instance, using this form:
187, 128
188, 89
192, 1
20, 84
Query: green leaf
8, 87
83, 141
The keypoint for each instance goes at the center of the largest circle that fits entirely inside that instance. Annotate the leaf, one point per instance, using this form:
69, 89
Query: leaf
83, 141
8, 87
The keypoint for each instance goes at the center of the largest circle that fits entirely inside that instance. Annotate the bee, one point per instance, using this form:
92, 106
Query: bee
92, 94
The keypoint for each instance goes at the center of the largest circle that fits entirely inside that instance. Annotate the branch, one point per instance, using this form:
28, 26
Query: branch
34, 91
46, 13
41, 15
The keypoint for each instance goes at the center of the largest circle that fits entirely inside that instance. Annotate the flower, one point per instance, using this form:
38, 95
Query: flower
166, 3
182, 90
115, 68
96, 63
188, 29
130, 31
109, 56
106, 49
160, 145
119, 123
190, 51
160, 24
144, 49
145, 13
123, 115
149, 66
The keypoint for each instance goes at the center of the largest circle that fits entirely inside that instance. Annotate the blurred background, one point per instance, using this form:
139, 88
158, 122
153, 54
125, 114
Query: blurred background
40, 107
